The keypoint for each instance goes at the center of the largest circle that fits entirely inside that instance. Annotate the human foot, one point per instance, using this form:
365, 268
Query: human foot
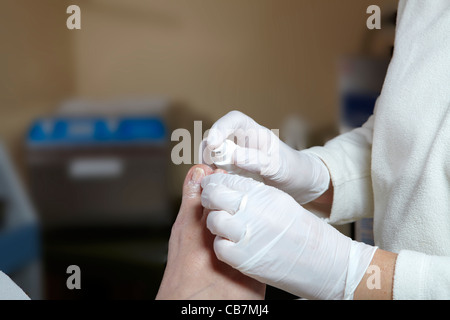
193, 271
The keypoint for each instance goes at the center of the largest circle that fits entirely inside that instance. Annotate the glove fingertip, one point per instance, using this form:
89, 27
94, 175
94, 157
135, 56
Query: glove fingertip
224, 250
215, 138
205, 181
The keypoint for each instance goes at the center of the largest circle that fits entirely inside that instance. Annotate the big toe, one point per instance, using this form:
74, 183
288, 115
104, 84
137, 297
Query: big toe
192, 182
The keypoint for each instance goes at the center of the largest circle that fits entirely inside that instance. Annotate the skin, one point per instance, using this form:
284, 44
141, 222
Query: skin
193, 272
382, 259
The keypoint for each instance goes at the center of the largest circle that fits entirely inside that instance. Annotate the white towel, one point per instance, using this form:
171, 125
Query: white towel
9, 290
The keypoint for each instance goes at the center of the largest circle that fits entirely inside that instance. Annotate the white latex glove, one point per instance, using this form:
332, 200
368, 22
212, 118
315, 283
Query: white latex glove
299, 173
264, 233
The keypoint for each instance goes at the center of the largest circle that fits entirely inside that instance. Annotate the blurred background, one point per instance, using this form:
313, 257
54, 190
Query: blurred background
86, 118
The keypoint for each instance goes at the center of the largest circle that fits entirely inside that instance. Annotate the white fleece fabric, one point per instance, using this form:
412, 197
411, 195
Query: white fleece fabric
396, 168
9, 290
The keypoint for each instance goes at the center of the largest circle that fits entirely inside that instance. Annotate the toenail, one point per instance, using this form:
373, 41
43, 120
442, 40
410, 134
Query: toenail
198, 175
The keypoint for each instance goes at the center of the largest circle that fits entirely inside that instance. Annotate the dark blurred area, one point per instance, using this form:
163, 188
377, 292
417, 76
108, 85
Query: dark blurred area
86, 118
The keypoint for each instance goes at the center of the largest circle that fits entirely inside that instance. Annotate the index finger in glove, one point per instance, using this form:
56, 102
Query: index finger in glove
229, 252
229, 124
223, 224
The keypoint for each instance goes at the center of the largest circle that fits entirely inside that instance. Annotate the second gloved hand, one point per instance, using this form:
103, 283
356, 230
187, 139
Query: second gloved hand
264, 233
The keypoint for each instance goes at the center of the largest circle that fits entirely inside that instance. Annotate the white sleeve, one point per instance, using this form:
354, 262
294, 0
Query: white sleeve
348, 158
9, 290
421, 277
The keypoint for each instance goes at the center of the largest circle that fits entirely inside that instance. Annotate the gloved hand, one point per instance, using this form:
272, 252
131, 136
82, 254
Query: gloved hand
264, 233
299, 173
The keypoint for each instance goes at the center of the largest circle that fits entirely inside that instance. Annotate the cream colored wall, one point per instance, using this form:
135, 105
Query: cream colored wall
267, 58
36, 65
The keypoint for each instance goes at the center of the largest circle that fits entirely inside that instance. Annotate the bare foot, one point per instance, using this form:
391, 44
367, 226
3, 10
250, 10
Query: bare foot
193, 271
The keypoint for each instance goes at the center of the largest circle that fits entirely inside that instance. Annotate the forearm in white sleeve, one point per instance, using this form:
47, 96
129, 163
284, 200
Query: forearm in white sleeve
9, 290
348, 158
421, 277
